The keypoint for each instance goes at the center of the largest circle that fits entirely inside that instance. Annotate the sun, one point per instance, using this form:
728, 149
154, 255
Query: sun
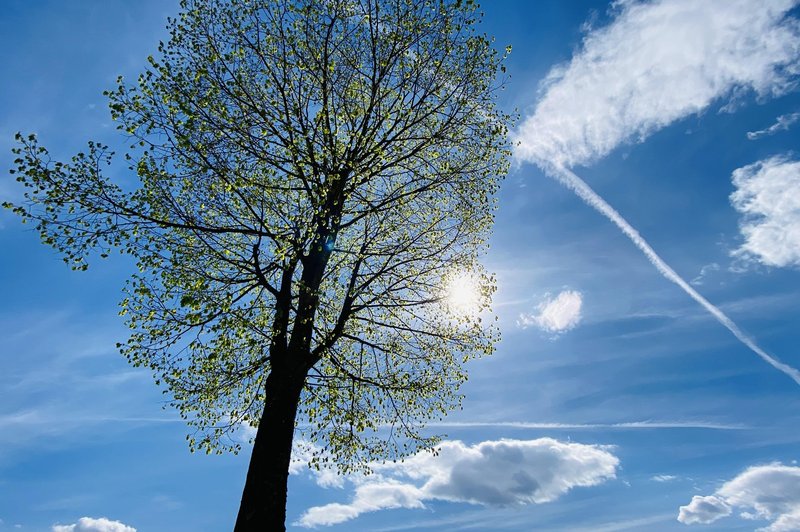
463, 295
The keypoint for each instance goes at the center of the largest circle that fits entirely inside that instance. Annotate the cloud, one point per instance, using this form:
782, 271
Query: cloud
770, 492
90, 524
663, 478
655, 63
369, 497
768, 197
490, 473
570, 180
303, 451
782, 123
658, 62
558, 314
704, 272
703, 510
789, 522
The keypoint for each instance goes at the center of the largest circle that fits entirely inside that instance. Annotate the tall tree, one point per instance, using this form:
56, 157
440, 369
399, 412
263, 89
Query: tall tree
312, 176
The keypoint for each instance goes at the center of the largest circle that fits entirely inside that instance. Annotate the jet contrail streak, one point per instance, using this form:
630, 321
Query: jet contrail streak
585, 192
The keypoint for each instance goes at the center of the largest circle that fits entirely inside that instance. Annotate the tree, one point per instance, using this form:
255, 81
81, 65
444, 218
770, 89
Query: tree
311, 177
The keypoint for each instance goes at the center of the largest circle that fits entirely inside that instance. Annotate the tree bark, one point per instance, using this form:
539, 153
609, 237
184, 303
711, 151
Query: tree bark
263, 506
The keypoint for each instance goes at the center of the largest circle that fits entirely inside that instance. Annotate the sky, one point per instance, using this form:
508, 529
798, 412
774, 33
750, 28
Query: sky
646, 247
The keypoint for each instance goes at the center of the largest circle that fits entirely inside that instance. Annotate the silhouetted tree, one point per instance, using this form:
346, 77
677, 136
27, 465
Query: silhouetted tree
312, 175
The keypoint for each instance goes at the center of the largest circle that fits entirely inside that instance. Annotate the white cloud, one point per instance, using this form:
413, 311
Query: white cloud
768, 196
663, 478
770, 492
369, 497
490, 473
789, 522
658, 62
703, 510
557, 314
655, 63
782, 123
704, 272
303, 451
90, 524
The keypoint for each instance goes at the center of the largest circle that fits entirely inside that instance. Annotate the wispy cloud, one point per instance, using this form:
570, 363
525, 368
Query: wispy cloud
782, 123
490, 473
555, 314
663, 478
658, 62
91, 524
770, 492
646, 424
768, 197
655, 63
704, 273
639, 523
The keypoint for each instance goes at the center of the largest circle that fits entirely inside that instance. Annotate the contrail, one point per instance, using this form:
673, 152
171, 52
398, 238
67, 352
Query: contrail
568, 178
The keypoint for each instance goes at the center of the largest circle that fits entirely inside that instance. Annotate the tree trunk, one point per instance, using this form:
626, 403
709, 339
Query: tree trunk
263, 506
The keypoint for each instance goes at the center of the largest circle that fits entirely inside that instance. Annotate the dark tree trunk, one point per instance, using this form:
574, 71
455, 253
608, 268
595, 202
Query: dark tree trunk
263, 506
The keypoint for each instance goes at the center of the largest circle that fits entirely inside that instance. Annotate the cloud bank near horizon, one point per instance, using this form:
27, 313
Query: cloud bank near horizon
490, 473
91, 524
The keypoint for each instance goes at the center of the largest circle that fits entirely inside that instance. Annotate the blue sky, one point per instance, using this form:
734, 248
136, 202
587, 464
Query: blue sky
615, 401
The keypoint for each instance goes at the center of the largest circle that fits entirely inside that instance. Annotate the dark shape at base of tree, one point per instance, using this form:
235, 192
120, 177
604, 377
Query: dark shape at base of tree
312, 175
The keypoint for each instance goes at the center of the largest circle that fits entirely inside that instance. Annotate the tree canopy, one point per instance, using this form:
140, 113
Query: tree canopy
311, 177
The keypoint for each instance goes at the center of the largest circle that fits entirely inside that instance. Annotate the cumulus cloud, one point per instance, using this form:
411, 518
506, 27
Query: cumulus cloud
789, 522
768, 197
490, 473
557, 314
770, 492
658, 62
782, 123
703, 510
91, 524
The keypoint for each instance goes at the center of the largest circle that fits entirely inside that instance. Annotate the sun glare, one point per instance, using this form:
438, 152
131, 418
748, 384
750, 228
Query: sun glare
463, 294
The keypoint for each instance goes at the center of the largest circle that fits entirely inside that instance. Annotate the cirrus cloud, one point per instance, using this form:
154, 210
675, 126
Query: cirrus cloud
782, 123
658, 62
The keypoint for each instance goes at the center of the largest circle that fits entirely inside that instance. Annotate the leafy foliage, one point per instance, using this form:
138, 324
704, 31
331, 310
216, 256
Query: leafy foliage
310, 175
